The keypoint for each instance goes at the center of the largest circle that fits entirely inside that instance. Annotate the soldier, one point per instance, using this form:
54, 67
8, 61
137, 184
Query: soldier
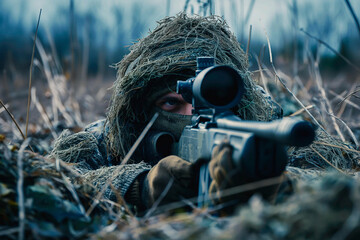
145, 84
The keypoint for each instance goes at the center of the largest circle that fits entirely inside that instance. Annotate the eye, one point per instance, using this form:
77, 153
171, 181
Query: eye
171, 101
168, 103
174, 103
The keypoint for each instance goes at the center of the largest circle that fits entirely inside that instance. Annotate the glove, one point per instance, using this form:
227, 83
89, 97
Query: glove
184, 184
224, 175
222, 171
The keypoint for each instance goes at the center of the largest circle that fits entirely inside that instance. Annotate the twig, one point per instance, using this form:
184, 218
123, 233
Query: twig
12, 117
295, 22
186, 5
139, 139
336, 146
301, 111
120, 200
43, 113
73, 192
54, 87
248, 43
227, 192
327, 161
327, 106
20, 190
3, 109
332, 49
73, 42
353, 14
61, 163
31, 66
298, 81
158, 201
287, 89
344, 103
261, 54
16, 124
249, 11
340, 97
124, 161
264, 80
350, 95
347, 128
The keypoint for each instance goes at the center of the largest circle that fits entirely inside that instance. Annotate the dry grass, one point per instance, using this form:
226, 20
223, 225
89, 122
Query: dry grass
305, 95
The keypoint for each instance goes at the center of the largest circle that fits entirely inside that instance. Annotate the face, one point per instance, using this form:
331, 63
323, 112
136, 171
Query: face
174, 103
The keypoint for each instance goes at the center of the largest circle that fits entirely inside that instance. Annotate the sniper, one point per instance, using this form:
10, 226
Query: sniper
146, 86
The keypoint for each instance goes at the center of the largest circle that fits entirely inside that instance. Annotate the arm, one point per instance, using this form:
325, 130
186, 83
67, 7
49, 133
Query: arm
83, 151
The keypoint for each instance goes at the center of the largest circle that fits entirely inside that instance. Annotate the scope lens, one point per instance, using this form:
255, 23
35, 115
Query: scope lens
220, 86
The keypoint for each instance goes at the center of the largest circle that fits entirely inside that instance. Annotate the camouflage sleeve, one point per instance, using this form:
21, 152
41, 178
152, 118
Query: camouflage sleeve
82, 151
123, 182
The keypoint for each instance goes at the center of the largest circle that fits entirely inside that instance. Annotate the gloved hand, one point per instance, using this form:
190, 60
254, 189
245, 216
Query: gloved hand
171, 167
224, 175
222, 171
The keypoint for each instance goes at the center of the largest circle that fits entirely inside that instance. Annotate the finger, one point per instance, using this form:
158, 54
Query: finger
212, 166
225, 158
215, 151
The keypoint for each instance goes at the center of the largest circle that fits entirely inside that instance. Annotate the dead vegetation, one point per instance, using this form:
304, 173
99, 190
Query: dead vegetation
38, 200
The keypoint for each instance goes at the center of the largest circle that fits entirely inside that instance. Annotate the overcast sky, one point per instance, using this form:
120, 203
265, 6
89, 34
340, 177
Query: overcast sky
271, 16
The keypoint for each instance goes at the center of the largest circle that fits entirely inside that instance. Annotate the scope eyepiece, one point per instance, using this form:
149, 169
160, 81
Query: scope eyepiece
185, 89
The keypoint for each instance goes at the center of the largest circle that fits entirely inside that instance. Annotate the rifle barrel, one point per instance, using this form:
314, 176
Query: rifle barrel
286, 131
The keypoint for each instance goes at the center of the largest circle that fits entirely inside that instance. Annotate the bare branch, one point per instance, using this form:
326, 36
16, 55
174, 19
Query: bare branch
31, 66
353, 14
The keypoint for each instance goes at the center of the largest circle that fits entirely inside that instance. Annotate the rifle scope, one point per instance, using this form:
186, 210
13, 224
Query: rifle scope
219, 87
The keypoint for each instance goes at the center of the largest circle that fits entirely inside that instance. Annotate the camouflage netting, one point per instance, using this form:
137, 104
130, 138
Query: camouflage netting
166, 55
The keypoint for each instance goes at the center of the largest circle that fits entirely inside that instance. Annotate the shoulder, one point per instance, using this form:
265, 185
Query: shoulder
86, 148
99, 130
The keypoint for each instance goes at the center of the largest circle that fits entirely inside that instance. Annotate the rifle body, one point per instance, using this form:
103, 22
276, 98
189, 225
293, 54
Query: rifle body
256, 157
258, 147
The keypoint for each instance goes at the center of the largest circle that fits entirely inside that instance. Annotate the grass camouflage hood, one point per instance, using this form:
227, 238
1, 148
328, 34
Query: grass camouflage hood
166, 55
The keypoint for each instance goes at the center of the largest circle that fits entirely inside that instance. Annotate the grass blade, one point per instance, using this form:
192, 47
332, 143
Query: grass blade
31, 66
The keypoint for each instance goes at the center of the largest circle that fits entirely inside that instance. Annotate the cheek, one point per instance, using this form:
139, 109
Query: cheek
188, 109
185, 109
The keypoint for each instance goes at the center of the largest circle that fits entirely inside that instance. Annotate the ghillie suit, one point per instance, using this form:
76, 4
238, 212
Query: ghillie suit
149, 71
169, 54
